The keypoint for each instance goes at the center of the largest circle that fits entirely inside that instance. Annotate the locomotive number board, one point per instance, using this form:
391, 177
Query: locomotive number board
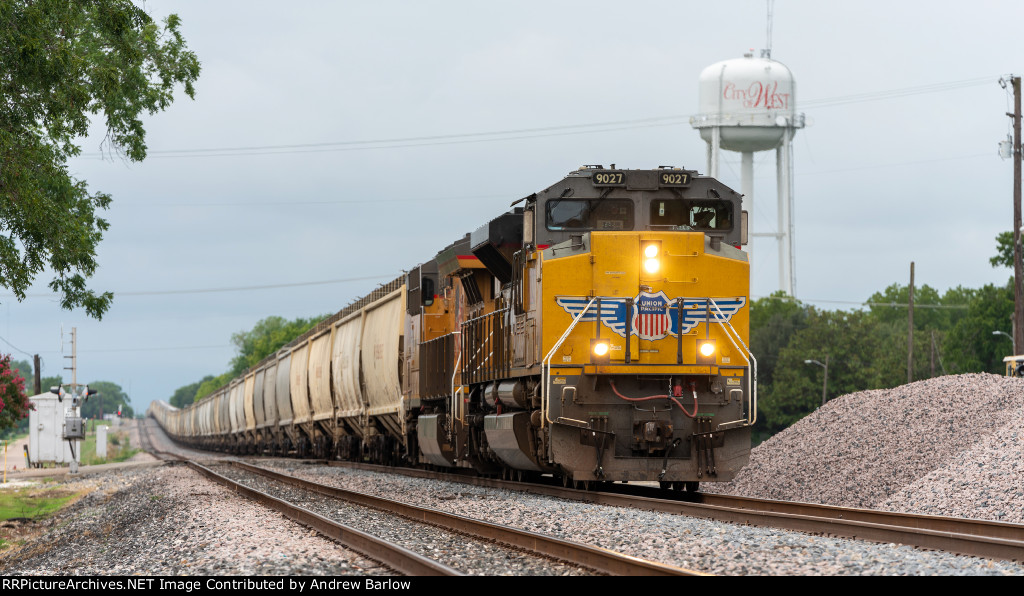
673, 179
608, 178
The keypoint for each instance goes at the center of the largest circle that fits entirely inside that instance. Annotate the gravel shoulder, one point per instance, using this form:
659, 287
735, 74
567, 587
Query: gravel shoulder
170, 521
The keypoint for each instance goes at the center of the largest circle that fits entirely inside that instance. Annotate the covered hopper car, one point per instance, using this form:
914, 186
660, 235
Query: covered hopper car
598, 331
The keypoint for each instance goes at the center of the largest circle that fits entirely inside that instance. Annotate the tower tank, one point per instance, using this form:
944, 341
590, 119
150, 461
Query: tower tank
748, 105
750, 99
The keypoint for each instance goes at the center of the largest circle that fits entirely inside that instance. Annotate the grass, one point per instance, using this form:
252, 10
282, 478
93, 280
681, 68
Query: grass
117, 448
32, 503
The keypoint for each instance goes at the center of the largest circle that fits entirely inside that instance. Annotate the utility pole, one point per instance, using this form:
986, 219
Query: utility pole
910, 329
74, 359
37, 385
1018, 268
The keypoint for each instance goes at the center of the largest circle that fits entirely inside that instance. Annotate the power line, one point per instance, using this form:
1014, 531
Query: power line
536, 132
235, 288
16, 348
890, 304
338, 202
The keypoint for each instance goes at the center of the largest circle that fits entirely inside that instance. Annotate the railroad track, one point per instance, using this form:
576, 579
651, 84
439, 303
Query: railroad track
978, 538
593, 559
388, 554
554, 551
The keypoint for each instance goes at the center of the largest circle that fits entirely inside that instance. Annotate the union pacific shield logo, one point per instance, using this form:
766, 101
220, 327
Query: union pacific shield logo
653, 316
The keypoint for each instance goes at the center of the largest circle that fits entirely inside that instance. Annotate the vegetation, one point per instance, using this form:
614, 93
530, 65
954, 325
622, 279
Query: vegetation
868, 349
32, 503
118, 449
62, 63
14, 404
265, 338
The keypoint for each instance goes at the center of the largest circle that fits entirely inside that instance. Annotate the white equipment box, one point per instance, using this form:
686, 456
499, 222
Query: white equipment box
46, 442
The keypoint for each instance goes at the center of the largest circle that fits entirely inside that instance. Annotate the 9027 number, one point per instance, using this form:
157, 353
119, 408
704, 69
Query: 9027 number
608, 178
675, 179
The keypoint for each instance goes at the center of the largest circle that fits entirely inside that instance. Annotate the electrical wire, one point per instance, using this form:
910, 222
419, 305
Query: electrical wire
536, 132
234, 288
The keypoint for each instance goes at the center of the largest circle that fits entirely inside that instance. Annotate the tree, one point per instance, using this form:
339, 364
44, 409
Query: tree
890, 306
1004, 250
187, 395
970, 345
265, 338
109, 396
773, 321
14, 404
211, 384
61, 62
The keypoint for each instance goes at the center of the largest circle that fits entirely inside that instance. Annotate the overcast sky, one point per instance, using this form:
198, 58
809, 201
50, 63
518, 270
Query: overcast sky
336, 140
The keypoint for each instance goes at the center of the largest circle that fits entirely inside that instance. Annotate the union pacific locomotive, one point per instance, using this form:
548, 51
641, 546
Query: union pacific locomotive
596, 332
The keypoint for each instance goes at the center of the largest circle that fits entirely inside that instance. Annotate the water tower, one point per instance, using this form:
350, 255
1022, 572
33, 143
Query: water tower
748, 105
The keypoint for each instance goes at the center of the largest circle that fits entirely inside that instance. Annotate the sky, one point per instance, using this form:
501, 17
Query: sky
333, 145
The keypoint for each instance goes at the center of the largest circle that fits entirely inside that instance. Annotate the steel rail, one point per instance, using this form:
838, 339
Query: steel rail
1001, 537
979, 538
393, 556
591, 557
390, 555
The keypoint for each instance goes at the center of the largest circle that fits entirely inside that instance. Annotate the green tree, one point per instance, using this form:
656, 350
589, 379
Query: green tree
212, 384
187, 394
265, 338
109, 397
853, 345
891, 306
970, 345
1004, 250
773, 321
62, 62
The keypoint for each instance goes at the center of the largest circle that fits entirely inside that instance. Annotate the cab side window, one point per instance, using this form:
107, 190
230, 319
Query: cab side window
700, 216
589, 214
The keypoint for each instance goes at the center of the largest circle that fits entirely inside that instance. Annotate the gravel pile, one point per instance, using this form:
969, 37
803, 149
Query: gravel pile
950, 445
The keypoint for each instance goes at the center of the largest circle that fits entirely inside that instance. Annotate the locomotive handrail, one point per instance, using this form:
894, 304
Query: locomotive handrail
455, 395
546, 366
726, 326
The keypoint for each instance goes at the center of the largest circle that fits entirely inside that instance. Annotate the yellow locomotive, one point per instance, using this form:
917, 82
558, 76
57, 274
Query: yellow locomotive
596, 332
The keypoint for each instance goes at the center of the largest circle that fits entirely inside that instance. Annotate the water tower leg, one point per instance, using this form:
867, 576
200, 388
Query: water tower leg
747, 188
790, 227
713, 151
780, 181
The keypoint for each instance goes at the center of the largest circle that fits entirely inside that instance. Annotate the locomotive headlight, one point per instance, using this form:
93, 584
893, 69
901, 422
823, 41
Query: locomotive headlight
652, 262
599, 349
706, 351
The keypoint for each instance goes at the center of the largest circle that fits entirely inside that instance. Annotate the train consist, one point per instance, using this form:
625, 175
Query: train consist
596, 332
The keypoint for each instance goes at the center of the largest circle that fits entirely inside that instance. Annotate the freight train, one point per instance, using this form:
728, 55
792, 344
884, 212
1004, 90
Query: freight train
596, 332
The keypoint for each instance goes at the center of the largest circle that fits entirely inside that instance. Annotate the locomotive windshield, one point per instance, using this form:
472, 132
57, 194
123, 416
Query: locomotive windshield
590, 214
689, 214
